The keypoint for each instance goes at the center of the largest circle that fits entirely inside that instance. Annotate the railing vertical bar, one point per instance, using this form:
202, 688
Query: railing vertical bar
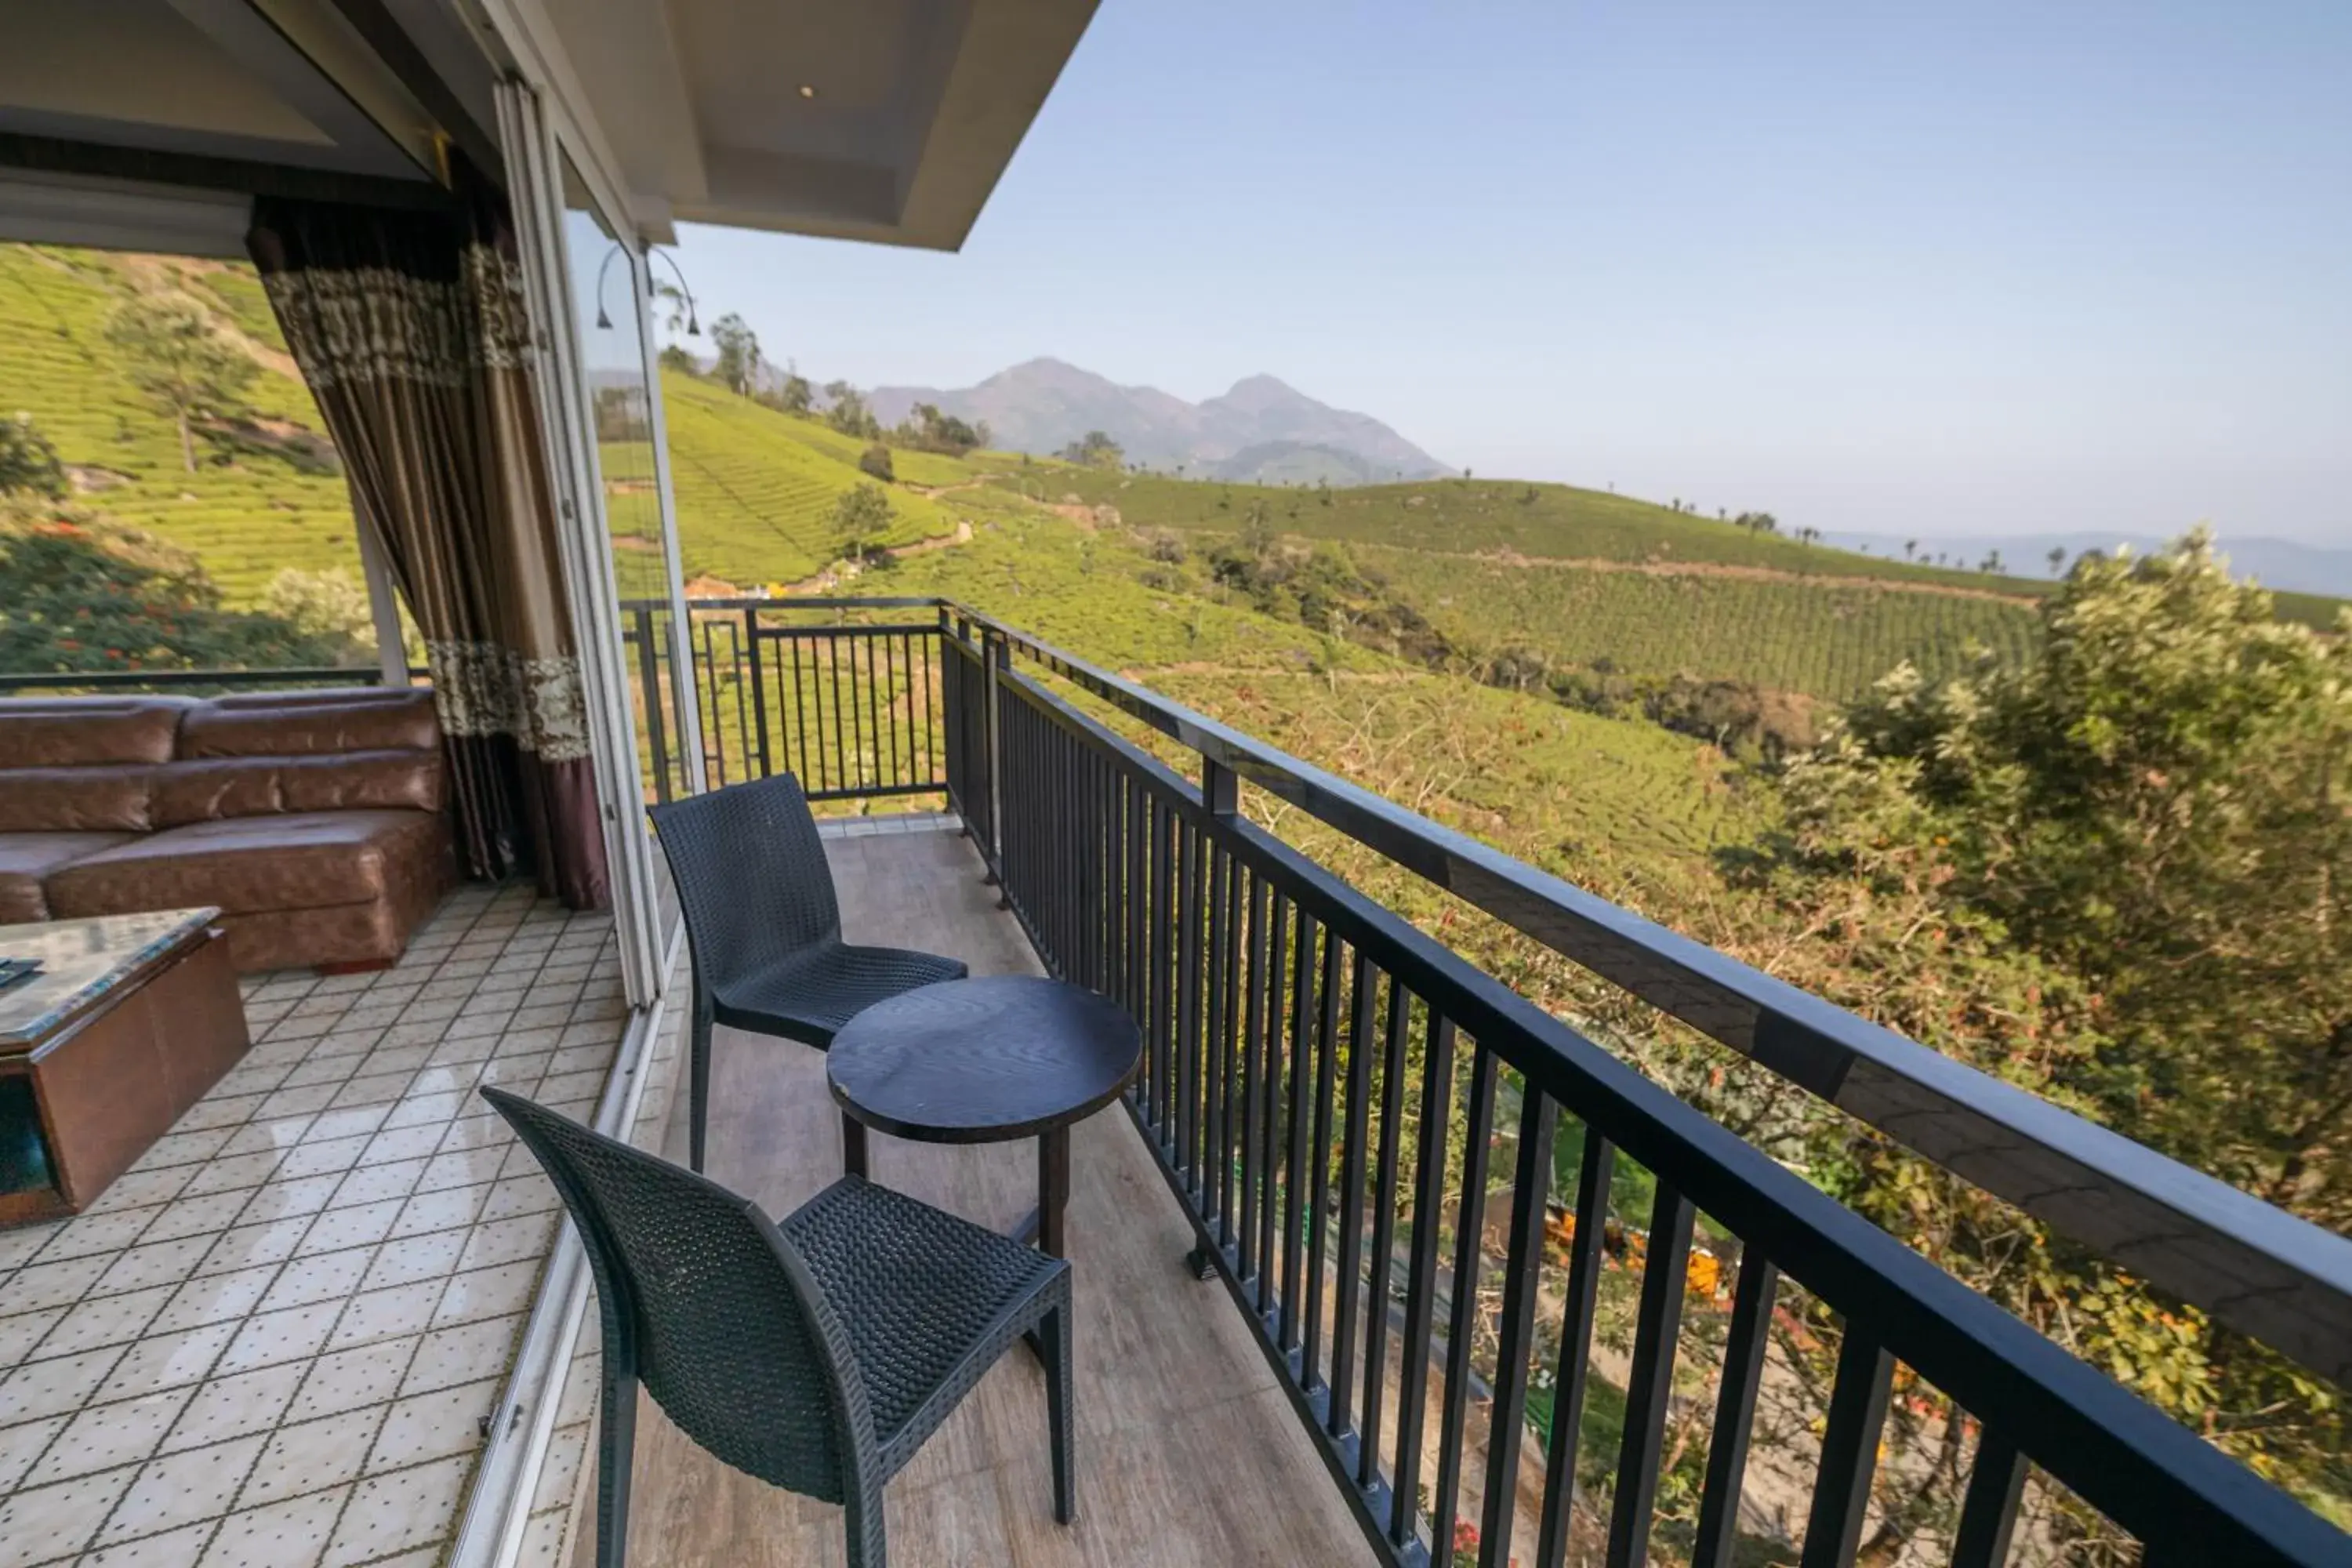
1278, 938
1420, 1270
1989, 1514
1229, 1051
833, 671
1522, 1274
1865, 1375
1188, 1007
1319, 1188
1384, 1191
893, 658
1355, 1150
1139, 963
759, 690
745, 681
804, 696
1253, 1081
1163, 956
1573, 1375
862, 647
1649, 1388
1302, 1053
1735, 1410
1469, 1221
1221, 871
1229, 1055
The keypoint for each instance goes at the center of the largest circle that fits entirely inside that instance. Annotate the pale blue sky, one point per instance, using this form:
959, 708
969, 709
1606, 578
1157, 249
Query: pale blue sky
1945, 266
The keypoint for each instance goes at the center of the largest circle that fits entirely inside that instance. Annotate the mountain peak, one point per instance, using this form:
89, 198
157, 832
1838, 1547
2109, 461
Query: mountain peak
1262, 424
1262, 385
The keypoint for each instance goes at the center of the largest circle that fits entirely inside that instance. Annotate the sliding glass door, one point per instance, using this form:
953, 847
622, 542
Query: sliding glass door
602, 408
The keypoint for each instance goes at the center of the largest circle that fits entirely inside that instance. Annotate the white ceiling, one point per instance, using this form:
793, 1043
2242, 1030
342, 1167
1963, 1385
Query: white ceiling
694, 107
916, 105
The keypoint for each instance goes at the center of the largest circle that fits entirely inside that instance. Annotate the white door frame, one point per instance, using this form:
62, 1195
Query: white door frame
536, 190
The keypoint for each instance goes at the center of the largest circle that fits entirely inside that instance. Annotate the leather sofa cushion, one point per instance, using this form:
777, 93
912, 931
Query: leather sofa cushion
282, 724
80, 731
114, 799
290, 861
221, 787
27, 858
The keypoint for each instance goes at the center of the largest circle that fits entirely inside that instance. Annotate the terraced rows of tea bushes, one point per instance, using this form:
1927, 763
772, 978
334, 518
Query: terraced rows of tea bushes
931, 470
246, 519
1826, 638
1537, 520
756, 489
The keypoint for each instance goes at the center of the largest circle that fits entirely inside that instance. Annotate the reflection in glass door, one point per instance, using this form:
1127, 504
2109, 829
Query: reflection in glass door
603, 434
607, 291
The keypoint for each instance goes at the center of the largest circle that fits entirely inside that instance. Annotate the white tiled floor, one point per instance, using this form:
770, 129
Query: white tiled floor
270, 1344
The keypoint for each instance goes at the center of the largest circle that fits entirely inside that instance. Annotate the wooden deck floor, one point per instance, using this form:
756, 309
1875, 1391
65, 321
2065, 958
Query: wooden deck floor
1187, 1451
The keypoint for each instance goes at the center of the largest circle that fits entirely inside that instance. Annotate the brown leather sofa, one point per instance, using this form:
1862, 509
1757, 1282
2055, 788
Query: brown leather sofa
317, 821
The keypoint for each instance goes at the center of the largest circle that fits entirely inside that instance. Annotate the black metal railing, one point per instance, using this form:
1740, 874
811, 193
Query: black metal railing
1364, 1129
851, 707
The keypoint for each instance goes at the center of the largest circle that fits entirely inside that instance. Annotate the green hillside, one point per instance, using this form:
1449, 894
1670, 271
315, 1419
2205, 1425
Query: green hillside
1827, 637
1537, 521
247, 514
756, 489
1579, 793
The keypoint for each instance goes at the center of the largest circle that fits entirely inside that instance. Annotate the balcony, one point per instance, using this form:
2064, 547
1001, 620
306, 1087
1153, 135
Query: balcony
1300, 1042
1346, 1258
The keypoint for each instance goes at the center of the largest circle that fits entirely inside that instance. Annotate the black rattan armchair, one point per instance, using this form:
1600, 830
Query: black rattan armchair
765, 930
816, 1353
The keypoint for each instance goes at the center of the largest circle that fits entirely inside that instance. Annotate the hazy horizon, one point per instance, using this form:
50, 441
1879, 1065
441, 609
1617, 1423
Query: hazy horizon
1978, 272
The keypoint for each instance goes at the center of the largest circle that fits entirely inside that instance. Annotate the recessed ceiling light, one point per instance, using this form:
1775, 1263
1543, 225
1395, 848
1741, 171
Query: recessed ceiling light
807, 92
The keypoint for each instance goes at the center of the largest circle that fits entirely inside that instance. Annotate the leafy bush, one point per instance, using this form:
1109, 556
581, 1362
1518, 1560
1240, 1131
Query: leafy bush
79, 592
27, 461
875, 463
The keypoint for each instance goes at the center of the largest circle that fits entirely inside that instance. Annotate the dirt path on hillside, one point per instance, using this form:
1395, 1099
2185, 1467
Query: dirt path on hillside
1724, 570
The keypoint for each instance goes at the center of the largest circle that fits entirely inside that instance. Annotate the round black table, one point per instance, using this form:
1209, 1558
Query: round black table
983, 1061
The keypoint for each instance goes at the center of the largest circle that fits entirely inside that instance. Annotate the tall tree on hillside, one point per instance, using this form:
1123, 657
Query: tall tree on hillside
2057, 559
859, 518
846, 412
173, 352
738, 366
2135, 854
796, 396
27, 461
1095, 449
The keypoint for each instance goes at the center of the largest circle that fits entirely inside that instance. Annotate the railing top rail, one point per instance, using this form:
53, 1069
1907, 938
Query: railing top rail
2082, 1427
2277, 1278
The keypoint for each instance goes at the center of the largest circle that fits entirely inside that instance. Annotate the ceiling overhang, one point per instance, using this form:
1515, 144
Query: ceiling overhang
889, 120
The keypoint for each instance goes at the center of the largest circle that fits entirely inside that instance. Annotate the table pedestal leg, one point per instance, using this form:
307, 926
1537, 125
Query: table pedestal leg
852, 1146
1053, 1189
1043, 1225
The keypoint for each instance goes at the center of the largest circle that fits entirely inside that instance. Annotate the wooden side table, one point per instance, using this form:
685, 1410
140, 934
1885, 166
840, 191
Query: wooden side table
984, 1061
131, 1020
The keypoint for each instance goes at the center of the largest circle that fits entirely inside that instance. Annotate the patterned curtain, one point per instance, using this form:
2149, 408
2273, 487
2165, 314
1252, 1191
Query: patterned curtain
410, 328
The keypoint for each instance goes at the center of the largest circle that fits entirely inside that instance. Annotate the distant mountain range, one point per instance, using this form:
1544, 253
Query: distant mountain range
1262, 431
2274, 563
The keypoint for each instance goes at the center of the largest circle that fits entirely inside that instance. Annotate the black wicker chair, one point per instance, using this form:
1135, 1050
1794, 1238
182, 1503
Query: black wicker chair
765, 930
817, 1353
